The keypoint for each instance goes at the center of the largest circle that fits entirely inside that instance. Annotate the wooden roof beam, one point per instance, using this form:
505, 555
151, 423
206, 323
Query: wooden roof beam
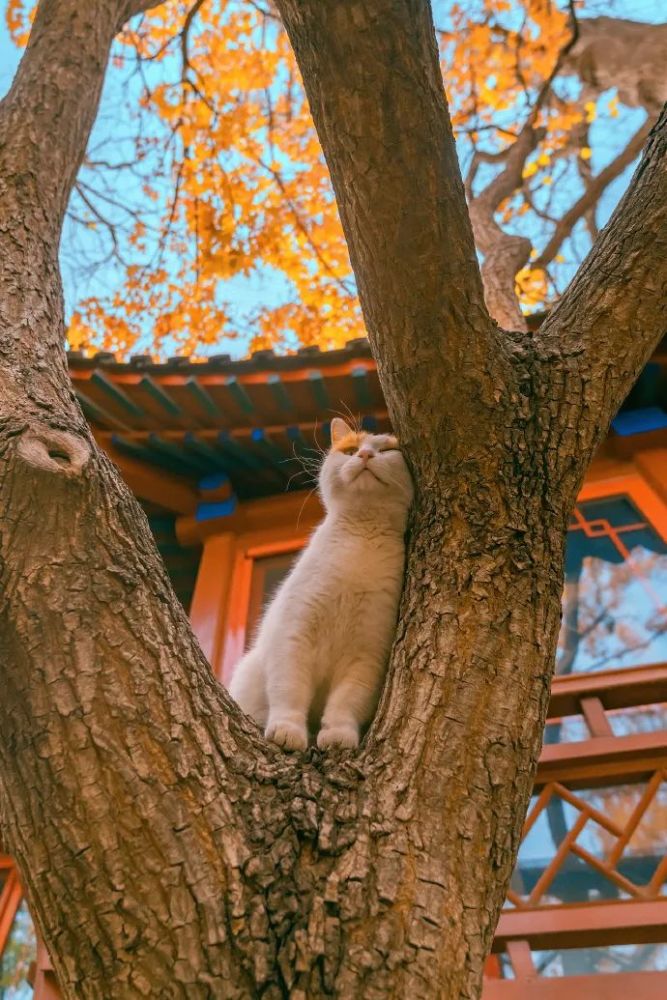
150, 483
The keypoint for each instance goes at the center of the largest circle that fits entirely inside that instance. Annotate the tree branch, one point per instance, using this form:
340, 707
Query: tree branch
46, 117
612, 314
375, 89
506, 254
594, 189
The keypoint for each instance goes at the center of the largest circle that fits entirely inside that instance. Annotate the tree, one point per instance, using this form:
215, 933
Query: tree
217, 178
167, 849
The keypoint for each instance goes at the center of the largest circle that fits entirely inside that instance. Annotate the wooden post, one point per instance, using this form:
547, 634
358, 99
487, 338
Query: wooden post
653, 466
44, 983
208, 611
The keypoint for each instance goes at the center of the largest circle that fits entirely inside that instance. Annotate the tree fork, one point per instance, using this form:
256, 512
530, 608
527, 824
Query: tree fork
167, 849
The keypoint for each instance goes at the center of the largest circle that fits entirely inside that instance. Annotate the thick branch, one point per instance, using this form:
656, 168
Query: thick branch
630, 56
504, 254
46, 117
612, 314
375, 89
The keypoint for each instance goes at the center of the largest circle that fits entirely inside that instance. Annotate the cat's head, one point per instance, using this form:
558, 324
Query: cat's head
364, 472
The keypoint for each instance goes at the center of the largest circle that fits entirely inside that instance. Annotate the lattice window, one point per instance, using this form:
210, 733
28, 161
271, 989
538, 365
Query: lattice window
615, 597
593, 844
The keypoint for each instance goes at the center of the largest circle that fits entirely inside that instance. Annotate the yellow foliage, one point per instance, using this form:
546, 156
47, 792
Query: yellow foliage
19, 16
531, 286
247, 191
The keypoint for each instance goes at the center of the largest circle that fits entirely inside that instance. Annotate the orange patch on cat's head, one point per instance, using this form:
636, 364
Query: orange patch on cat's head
343, 436
351, 440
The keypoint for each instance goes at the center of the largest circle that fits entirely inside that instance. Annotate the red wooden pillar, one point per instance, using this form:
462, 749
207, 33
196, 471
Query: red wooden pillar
43, 977
208, 611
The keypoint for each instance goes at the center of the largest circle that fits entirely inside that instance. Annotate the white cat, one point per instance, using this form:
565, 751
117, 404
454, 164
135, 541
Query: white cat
319, 656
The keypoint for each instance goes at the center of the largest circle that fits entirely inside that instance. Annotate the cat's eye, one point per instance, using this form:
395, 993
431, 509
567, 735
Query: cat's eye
389, 447
349, 451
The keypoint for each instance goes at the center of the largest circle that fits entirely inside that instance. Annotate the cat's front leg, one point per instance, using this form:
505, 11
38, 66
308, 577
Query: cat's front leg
290, 686
352, 700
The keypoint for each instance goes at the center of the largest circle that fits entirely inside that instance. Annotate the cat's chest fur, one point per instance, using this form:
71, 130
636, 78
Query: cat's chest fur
341, 597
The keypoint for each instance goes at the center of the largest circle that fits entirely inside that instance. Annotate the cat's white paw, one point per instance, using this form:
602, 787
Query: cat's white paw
338, 736
289, 735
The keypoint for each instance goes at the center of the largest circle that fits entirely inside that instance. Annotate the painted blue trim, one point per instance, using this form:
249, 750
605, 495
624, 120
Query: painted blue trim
209, 511
651, 418
213, 482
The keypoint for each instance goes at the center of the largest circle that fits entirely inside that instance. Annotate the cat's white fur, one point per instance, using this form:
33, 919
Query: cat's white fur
319, 656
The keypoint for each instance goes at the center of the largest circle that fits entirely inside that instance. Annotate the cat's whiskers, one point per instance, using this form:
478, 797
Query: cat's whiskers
305, 501
349, 417
320, 450
301, 472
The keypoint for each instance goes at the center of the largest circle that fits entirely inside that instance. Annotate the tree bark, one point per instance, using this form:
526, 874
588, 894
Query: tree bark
167, 849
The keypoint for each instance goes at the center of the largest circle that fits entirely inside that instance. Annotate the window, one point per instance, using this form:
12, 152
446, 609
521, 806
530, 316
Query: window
589, 845
19, 951
615, 596
267, 574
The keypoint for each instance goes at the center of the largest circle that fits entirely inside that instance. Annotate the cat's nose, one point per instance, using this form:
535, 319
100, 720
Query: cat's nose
365, 454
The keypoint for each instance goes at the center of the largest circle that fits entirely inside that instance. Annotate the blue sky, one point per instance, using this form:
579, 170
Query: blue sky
265, 287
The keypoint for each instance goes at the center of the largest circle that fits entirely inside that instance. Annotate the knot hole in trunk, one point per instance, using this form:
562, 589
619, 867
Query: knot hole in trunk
53, 450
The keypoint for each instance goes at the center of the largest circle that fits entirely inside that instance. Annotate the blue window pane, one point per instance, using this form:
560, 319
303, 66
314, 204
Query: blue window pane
615, 595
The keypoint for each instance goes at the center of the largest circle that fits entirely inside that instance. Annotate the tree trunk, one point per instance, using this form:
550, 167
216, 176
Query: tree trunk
167, 849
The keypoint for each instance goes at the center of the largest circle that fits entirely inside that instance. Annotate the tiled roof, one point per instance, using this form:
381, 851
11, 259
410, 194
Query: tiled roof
196, 437
243, 419
247, 420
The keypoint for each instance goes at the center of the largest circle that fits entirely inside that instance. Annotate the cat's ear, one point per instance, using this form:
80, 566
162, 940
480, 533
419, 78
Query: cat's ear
339, 430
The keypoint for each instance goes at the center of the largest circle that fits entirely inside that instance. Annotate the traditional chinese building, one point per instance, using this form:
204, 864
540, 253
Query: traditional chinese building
211, 450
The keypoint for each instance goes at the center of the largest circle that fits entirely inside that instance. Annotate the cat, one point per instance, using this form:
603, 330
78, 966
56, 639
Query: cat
319, 656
